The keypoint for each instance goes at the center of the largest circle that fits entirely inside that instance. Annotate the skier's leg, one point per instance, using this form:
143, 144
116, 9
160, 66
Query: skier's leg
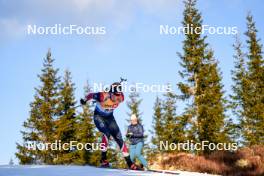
102, 127
132, 152
116, 134
139, 155
105, 142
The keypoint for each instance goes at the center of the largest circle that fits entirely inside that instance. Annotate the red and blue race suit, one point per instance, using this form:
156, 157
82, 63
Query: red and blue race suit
105, 102
104, 120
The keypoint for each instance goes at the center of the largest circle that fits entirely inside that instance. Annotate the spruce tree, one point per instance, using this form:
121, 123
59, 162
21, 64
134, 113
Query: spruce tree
253, 120
171, 122
11, 162
210, 103
157, 123
133, 104
169, 108
194, 48
30, 135
239, 90
202, 83
39, 127
65, 123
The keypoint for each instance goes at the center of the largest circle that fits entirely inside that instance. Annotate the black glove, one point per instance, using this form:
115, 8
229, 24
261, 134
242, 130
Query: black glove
83, 102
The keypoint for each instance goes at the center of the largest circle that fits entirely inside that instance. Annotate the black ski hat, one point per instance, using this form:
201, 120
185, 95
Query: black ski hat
116, 87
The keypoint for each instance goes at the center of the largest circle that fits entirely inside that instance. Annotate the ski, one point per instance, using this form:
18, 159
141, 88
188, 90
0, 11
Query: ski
146, 171
164, 172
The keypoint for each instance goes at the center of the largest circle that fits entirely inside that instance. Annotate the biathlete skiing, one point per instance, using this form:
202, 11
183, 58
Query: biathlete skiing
105, 121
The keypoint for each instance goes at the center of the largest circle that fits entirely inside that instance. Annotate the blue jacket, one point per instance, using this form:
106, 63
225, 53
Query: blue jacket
138, 133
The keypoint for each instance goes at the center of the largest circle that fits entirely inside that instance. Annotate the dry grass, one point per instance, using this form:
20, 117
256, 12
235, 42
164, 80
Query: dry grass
243, 162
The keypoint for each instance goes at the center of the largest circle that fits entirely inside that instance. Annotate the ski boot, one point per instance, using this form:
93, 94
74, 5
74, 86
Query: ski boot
135, 167
105, 164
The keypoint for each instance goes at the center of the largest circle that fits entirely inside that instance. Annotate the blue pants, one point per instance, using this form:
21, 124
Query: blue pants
108, 126
136, 152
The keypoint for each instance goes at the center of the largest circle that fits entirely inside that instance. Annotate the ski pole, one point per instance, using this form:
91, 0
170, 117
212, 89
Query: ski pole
77, 106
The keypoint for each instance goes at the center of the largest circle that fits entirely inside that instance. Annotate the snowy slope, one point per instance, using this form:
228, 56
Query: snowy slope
38, 170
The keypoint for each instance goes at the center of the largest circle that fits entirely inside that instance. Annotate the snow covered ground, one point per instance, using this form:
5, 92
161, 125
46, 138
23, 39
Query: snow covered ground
44, 170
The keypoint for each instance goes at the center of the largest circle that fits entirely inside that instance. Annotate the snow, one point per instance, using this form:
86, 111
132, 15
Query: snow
46, 170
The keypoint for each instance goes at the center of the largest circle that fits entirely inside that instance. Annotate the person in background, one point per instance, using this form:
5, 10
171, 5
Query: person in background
135, 134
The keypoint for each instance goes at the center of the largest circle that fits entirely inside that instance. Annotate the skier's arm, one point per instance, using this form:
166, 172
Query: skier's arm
95, 96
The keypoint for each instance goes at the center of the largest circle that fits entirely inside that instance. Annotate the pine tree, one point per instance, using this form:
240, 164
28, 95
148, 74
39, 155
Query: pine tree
202, 83
65, 123
39, 127
86, 133
253, 120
